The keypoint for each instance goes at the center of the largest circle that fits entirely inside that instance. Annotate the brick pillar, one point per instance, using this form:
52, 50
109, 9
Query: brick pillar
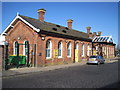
73, 51
64, 54
80, 50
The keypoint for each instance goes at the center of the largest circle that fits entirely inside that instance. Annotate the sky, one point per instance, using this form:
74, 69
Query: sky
100, 16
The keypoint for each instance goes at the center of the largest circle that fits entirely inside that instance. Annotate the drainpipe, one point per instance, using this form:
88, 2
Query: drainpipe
74, 51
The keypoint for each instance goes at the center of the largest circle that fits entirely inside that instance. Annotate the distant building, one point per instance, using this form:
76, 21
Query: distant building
46, 43
2, 39
2, 42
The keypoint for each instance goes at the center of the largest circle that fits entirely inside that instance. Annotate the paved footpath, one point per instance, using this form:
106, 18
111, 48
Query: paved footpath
26, 70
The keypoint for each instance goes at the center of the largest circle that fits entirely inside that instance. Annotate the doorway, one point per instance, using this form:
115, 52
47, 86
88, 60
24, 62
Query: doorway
76, 52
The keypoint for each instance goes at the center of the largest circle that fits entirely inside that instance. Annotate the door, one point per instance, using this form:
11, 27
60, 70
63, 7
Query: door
76, 52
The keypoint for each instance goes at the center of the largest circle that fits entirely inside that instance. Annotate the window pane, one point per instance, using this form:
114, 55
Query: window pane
15, 51
16, 47
76, 46
59, 52
68, 49
48, 48
59, 49
68, 52
47, 52
48, 44
82, 50
59, 45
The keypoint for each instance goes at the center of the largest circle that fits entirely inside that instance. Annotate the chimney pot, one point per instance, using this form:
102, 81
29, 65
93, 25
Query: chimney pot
88, 30
41, 13
94, 34
99, 33
69, 21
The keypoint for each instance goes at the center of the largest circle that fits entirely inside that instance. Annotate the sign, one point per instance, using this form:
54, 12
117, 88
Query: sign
94, 52
76, 55
55, 53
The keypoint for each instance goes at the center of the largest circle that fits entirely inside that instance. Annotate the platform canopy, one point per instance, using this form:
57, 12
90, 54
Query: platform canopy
107, 39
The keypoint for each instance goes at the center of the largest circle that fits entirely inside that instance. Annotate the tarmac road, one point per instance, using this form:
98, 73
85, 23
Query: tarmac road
85, 76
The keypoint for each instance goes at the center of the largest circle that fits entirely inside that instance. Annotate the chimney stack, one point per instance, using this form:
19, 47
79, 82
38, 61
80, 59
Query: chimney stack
88, 30
94, 34
69, 22
99, 33
41, 13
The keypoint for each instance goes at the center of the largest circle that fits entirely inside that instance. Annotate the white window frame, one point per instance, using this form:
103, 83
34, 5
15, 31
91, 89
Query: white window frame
24, 48
83, 50
68, 48
50, 49
76, 46
61, 49
14, 48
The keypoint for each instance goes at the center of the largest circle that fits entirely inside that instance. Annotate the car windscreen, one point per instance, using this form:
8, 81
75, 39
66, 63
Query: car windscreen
93, 56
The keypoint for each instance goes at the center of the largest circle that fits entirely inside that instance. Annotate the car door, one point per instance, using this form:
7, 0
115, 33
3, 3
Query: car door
100, 59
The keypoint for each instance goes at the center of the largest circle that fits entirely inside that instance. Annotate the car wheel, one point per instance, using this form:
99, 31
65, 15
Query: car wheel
98, 63
103, 62
87, 63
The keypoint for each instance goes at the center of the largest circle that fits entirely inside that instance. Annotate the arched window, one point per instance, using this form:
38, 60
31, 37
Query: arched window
76, 46
26, 47
82, 50
59, 49
69, 49
16, 48
48, 49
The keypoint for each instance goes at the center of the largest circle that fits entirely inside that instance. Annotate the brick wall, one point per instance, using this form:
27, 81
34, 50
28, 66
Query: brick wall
24, 32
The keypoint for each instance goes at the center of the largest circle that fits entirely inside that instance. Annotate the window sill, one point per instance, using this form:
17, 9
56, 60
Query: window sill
48, 58
69, 56
59, 57
83, 56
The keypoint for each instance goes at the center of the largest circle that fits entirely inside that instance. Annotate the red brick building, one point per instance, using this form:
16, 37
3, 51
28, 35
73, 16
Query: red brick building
48, 43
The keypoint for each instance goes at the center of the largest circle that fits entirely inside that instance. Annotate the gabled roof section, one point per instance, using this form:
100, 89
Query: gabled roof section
15, 20
38, 26
55, 28
107, 39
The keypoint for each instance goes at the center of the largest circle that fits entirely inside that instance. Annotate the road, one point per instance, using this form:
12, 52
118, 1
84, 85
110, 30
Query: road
84, 76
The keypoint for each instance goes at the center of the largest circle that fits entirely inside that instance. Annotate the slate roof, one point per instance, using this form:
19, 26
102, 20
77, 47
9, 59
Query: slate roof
54, 28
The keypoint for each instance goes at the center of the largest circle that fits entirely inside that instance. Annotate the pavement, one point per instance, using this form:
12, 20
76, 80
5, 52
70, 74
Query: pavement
26, 70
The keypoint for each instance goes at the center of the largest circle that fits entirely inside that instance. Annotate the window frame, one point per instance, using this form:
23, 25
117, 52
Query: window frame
15, 48
69, 48
25, 48
60, 49
50, 48
83, 50
76, 46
